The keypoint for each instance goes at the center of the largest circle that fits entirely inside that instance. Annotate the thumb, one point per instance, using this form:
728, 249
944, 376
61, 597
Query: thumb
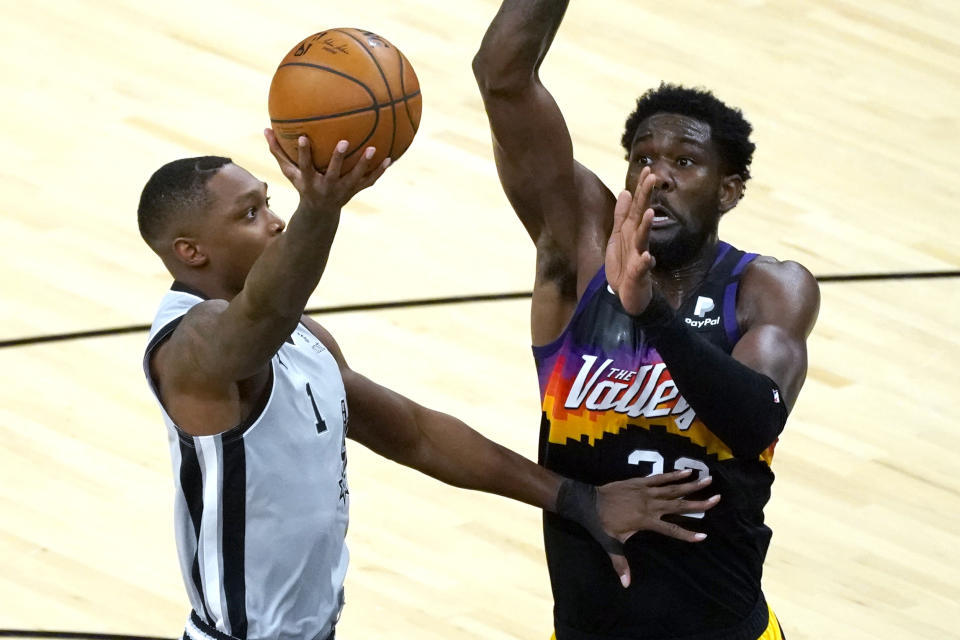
622, 567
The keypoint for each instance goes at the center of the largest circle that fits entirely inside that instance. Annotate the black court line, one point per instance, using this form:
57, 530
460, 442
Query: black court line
72, 635
909, 275
368, 306
427, 302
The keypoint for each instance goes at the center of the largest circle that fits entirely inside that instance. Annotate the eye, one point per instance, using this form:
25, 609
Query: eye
684, 162
267, 202
643, 160
251, 212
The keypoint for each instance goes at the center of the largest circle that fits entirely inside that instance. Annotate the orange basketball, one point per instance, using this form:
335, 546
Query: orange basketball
345, 84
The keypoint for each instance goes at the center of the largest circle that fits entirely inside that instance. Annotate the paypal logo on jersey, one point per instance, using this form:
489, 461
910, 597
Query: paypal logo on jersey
701, 309
704, 306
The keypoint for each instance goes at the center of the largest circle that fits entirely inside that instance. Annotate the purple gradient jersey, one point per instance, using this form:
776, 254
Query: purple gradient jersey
611, 411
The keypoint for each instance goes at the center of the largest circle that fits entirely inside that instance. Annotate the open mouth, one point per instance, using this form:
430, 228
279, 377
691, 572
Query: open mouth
662, 216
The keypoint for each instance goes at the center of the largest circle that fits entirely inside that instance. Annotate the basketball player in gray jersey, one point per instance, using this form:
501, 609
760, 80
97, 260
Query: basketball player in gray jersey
257, 398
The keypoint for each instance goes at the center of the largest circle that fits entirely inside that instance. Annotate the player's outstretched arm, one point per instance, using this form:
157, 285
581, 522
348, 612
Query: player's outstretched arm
218, 343
445, 448
564, 207
744, 397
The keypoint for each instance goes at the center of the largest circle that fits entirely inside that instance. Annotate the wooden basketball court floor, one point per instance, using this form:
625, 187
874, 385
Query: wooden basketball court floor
855, 109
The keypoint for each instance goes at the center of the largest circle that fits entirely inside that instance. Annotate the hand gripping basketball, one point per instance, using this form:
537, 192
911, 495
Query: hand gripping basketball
332, 189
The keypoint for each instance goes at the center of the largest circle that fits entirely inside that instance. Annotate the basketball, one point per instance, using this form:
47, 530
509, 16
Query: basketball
345, 84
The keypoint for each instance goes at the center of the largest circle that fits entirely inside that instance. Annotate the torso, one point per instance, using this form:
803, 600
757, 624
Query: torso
610, 412
261, 509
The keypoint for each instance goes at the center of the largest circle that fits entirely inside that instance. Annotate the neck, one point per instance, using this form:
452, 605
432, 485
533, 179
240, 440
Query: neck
676, 282
210, 289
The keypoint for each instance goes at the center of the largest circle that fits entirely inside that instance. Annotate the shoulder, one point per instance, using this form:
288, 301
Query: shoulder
177, 360
778, 292
192, 328
326, 338
767, 271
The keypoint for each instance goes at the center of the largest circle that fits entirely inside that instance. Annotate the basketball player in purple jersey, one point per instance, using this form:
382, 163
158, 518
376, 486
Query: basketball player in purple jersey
657, 345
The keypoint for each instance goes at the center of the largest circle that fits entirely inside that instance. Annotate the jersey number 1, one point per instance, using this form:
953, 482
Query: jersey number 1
321, 425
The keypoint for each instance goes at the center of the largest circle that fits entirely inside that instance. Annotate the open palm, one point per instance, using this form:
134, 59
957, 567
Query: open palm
628, 261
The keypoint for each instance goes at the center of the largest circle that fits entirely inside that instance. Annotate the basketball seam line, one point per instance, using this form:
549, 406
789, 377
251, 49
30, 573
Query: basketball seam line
383, 76
375, 107
403, 90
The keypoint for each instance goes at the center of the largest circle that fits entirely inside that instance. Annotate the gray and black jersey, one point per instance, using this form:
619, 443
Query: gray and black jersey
261, 509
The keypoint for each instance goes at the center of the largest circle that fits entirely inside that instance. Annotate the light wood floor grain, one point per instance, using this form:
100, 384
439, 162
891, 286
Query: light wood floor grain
855, 106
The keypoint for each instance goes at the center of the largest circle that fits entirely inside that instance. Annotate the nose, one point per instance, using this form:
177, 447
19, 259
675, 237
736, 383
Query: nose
277, 224
665, 178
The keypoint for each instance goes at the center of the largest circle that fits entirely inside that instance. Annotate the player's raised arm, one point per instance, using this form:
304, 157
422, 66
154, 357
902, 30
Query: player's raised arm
231, 337
551, 193
445, 448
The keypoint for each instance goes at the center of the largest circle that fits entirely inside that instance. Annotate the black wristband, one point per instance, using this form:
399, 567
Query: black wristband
658, 313
577, 501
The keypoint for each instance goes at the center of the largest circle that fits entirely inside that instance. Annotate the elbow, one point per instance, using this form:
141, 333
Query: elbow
484, 71
764, 434
749, 450
498, 77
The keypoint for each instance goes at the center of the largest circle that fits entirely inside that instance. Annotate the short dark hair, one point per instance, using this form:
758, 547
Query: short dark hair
173, 189
730, 130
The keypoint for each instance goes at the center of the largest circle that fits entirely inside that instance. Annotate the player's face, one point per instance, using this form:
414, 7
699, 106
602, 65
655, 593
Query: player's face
239, 224
687, 197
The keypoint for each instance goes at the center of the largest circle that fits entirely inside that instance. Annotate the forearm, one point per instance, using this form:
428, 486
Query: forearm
740, 405
287, 272
452, 452
445, 448
516, 42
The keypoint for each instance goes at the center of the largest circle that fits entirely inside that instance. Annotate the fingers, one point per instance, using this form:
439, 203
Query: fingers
304, 156
621, 209
374, 175
676, 531
287, 167
363, 164
664, 478
622, 567
642, 239
685, 507
645, 185
336, 159
673, 491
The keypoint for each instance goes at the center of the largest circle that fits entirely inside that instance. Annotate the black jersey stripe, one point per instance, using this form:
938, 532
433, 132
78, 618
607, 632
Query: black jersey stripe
162, 334
191, 484
234, 499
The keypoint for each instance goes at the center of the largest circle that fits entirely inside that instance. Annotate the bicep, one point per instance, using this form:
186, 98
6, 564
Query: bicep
380, 419
775, 352
781, 303
216, 344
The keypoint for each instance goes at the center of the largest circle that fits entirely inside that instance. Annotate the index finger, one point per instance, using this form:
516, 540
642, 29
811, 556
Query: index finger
286, 164
642, 241
641, 196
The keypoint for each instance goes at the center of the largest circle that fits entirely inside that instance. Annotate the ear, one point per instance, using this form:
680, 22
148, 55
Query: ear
731, 190
187, 251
